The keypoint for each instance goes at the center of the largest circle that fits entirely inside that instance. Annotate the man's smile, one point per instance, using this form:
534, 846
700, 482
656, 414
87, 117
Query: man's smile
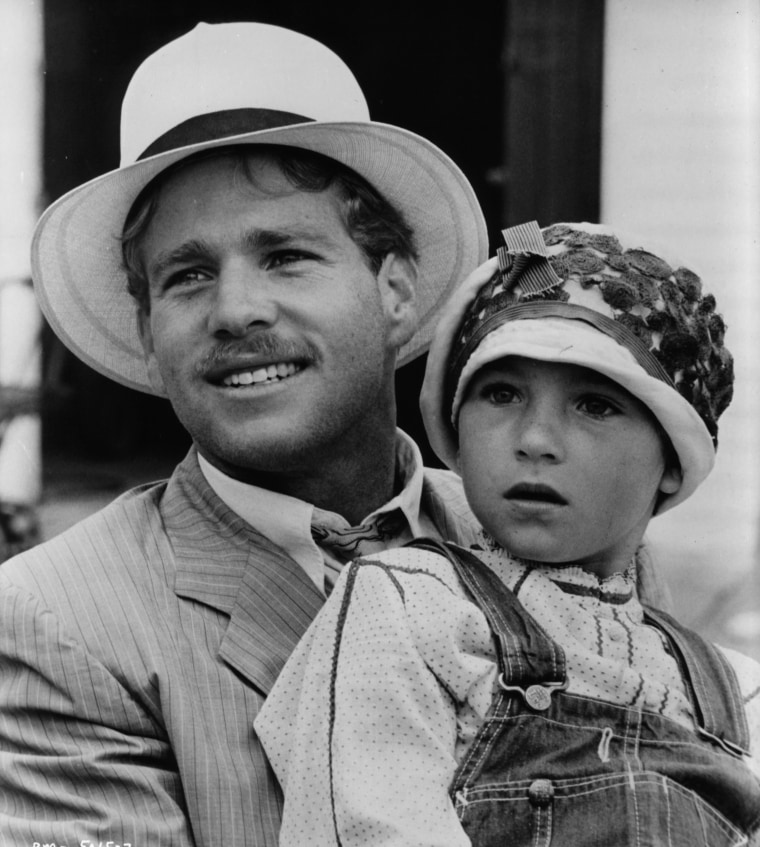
261, 361
267, 373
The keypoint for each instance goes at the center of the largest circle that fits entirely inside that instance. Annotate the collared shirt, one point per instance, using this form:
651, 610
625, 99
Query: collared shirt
287, 520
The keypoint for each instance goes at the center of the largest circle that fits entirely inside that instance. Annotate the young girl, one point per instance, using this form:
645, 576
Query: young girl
519, 693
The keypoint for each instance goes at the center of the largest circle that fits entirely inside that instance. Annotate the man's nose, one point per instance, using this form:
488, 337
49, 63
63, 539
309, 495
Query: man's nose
243, 300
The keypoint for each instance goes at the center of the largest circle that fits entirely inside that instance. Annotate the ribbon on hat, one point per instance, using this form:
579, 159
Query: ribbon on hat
523, 258
225, 123
524, 272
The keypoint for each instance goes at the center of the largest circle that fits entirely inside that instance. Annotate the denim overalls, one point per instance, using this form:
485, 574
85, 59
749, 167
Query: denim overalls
551, 768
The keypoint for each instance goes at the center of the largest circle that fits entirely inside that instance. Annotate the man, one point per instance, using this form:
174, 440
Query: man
265, 257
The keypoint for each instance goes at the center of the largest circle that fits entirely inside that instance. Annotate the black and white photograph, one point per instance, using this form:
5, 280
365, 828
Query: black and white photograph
379, 442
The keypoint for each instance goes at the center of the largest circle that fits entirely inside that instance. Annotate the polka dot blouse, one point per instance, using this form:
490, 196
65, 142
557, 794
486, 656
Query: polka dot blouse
389, 686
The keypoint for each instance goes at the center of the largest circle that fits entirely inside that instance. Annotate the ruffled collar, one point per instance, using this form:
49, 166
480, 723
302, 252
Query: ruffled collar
615, 590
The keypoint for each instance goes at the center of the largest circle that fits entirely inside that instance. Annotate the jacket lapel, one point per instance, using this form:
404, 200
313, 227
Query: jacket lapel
224, 563
273, 609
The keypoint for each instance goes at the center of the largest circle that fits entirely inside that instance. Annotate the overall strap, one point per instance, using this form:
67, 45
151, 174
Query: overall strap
526, 654
718, 705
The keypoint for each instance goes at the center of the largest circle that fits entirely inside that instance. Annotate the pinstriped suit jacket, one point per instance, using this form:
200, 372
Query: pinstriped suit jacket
135, 651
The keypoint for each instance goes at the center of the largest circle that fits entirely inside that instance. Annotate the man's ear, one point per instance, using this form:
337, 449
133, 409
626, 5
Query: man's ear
149, 352
397, 283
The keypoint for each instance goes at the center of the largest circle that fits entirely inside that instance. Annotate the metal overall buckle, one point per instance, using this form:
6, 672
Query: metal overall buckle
538, 697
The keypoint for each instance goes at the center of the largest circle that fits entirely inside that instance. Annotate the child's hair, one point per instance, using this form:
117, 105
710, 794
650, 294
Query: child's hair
580, 294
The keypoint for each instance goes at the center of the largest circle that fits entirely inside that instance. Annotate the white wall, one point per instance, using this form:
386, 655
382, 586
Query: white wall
681, 164
21, 59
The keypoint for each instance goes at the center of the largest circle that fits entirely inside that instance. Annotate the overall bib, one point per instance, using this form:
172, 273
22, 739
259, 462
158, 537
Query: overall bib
552, 768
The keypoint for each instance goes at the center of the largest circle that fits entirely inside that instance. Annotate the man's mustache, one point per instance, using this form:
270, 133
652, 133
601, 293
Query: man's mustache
266, 346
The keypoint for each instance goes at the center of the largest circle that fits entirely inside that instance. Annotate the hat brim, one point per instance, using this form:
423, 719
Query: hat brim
76, 249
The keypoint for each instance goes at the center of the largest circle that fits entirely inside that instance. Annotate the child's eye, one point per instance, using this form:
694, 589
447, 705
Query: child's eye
499, 395
598, 407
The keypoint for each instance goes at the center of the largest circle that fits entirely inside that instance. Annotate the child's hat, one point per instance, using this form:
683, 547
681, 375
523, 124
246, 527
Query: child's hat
231, 84
580, 294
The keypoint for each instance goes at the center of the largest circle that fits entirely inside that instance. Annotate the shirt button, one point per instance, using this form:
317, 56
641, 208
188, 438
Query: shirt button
541, 792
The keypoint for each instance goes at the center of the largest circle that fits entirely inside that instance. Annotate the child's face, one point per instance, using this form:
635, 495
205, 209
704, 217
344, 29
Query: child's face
561, 464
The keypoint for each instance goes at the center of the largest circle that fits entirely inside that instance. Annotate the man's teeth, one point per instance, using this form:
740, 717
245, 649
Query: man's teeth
267, 374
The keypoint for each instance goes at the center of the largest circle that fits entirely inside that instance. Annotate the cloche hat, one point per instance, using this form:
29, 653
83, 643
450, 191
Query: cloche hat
586, 295
230, 84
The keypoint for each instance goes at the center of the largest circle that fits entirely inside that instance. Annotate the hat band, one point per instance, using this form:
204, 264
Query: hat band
556, 309
217, 125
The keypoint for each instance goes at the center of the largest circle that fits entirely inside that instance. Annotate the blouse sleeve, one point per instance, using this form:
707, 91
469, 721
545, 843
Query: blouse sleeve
359, 730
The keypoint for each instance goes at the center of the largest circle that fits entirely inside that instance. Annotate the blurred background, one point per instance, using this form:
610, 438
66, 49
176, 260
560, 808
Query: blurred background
637, 113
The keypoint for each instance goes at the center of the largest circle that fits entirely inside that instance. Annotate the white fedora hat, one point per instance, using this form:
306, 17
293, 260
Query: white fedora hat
241, 83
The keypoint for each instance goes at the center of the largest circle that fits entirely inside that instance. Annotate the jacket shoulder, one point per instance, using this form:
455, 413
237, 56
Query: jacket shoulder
112, 539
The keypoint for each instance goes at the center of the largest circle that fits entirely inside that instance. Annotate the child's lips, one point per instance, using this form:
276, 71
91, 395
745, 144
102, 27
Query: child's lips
535, 492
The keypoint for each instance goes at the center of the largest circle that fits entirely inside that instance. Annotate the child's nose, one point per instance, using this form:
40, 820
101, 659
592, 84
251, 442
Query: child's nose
540, 435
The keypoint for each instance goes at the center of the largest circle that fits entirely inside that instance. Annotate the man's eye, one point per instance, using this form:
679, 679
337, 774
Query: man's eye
187, 276
598, 407
283, 258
